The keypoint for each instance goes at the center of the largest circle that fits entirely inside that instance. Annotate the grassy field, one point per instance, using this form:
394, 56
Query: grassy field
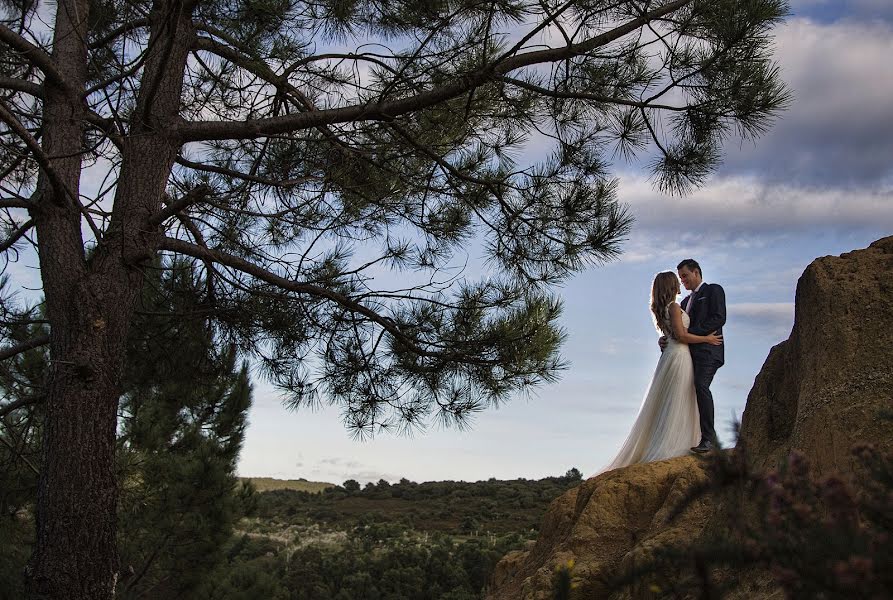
267, 484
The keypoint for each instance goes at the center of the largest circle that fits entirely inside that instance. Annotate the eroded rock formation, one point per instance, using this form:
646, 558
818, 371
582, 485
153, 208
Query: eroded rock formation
822, 390
606, 523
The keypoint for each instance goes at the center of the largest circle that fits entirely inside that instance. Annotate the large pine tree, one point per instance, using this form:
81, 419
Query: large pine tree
181, 424
292, 150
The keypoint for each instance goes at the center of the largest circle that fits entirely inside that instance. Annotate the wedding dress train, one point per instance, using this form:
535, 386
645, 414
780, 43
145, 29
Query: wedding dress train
667, 424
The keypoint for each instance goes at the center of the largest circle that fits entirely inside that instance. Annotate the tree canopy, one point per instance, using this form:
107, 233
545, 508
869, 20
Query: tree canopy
314, 143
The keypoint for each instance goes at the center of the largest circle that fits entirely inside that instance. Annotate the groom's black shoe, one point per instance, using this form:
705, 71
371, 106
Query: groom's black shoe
704, 447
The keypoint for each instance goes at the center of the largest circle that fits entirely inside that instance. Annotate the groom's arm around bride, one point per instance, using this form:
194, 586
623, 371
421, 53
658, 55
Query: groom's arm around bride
712, 317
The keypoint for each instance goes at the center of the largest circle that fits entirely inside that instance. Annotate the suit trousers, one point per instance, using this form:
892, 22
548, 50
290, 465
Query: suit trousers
705, 368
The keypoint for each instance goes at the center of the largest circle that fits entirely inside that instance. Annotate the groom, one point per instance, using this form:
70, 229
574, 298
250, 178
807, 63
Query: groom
706, 308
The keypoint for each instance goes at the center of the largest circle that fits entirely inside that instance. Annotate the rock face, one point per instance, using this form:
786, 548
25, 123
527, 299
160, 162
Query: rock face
819, 392
822, 390
605, 524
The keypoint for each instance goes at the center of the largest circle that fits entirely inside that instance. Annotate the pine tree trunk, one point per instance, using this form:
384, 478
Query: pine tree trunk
90, 303
76, 554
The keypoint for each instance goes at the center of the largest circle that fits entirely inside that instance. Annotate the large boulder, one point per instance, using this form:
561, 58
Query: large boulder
819, 393
823, 389
604, 525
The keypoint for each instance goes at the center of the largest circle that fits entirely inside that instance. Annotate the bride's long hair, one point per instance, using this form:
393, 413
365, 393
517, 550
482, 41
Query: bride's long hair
663, 291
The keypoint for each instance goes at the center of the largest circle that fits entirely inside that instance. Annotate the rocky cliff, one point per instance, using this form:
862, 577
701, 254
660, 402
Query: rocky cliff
819, 392
607, 523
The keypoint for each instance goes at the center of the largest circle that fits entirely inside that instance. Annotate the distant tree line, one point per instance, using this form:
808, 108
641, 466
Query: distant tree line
411, 490
452, 507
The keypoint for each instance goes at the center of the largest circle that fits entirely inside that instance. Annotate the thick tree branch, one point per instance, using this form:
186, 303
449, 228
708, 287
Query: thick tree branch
383, 111
32, 144
11, 351
34, 54
119, 31
244, 176
249, 268
194, 195
16, 203
20, 85
16, 235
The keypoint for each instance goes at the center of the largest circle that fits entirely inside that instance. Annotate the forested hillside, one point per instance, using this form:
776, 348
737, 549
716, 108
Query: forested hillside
402, 540
433, 540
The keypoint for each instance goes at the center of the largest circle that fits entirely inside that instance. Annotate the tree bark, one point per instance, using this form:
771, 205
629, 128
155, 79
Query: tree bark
90, 303
75, 555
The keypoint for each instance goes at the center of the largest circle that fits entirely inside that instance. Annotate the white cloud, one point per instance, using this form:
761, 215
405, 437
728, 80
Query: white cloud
341, 462
763, 311
739, 209
838, 71
760, 318
373, 476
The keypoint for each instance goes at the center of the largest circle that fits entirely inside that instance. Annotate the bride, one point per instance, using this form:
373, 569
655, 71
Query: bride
667, 424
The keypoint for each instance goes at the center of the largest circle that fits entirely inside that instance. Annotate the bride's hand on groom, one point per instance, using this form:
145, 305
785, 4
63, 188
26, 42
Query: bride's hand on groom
713, 339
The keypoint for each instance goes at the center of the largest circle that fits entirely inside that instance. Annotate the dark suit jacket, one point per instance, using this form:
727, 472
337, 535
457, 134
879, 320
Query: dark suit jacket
707, 315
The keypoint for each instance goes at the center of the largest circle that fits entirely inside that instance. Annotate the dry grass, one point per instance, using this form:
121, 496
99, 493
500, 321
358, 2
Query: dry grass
266, 484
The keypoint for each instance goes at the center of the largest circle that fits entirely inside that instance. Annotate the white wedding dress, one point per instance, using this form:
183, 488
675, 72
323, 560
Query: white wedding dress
667, 424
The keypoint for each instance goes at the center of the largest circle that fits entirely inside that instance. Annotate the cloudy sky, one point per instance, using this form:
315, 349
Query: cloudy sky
820, 183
